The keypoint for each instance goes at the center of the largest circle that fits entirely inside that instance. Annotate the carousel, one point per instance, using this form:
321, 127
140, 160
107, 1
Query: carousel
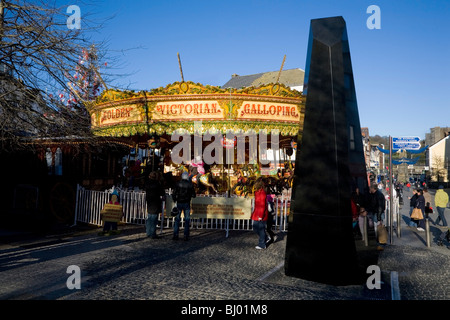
206, 117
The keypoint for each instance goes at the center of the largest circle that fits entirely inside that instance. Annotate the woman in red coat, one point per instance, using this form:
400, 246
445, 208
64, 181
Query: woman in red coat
260, 214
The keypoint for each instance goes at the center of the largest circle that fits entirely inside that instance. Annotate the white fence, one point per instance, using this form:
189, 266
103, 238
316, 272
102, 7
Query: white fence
89, 203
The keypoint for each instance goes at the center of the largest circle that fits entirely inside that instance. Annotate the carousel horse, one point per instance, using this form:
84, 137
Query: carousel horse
240, 188
182, 168
199, 177
252, 170
204, 180
290, 170
272, 185
285, 182
246, 180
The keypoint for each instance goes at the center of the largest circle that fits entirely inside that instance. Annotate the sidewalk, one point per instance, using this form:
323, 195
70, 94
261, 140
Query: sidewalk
422, 272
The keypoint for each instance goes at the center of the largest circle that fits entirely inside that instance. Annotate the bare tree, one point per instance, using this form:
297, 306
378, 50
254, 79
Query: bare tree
40, 58
438, 170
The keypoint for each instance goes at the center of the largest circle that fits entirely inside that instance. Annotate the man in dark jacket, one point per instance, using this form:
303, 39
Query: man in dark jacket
154, 195
183, 193
376, 204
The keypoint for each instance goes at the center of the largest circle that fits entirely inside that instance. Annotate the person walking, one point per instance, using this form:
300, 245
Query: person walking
270, 218
260, 215
360, 201
412, 205
420, 203
440, 203
183, 193
155, 195
428, 201
376, 206
361, 217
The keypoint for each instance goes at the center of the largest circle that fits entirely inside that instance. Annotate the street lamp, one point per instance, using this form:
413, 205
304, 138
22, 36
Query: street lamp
382, 154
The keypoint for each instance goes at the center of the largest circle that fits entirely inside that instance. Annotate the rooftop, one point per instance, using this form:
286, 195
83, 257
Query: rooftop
290, 78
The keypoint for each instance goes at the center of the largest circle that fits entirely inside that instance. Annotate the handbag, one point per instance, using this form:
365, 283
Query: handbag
382, 234
174, 212
428, 208
417, 214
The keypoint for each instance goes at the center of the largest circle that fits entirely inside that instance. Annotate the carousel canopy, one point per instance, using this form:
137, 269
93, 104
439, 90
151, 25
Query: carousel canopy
181, 105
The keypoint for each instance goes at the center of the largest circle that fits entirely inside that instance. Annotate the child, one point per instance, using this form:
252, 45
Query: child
111, 214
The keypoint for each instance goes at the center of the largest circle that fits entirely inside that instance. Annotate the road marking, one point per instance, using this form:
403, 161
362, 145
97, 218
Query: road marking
268, 274
395, 288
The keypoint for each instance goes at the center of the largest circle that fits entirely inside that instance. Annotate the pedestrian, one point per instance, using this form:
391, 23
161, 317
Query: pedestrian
399, 189
260, 214
420, 204
428, 201
362, 215
412, 205
111, 214
355, 215
375, 206
271, 216
183, 193
155, 195
356, 204
440, 203
357, 197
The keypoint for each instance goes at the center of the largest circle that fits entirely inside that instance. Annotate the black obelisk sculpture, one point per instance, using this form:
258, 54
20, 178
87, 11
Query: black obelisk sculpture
329, 163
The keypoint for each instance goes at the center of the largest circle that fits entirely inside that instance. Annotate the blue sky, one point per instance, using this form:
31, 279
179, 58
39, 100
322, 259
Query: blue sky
401, 71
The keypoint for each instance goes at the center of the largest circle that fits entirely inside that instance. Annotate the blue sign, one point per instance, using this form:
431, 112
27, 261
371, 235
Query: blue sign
406, 143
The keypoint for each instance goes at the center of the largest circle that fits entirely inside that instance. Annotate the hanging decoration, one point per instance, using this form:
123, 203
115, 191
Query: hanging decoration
405, 160
418, 151
407, 150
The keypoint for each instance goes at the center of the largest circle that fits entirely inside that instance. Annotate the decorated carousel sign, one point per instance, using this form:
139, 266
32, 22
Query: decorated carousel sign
116, 115
165, 110
267, 111
186, 110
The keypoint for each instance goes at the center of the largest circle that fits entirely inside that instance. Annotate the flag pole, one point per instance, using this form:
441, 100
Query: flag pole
181, 70
279, 72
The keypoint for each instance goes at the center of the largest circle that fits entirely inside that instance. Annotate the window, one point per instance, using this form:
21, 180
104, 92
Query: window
352, 138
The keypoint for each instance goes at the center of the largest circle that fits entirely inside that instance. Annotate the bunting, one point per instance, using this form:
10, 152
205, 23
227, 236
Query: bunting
397, 150
418, 151
405, 160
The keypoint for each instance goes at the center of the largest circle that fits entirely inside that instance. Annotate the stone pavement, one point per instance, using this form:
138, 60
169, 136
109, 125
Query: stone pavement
423, 272
130, 266
209, 266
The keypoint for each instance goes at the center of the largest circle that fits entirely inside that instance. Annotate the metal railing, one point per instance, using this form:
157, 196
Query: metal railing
89, 203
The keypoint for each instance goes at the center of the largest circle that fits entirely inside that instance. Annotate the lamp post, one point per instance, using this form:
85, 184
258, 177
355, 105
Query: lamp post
382, 154
391, 199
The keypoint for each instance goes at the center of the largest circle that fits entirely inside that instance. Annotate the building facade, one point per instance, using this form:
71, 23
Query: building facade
438, 160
